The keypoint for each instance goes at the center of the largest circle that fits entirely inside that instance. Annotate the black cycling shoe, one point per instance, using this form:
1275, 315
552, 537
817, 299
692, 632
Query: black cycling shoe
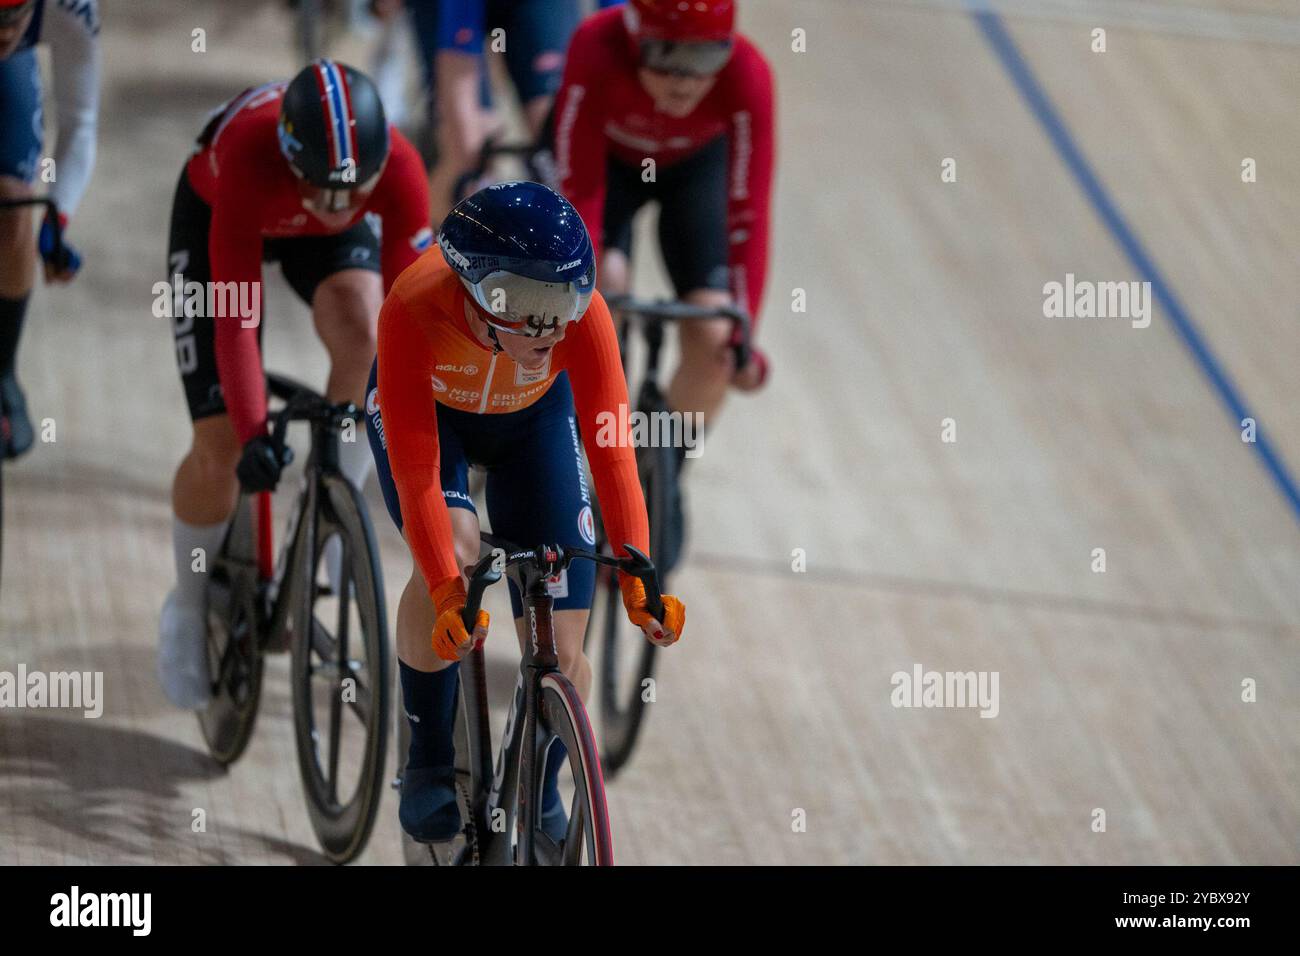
428, 810
15, 427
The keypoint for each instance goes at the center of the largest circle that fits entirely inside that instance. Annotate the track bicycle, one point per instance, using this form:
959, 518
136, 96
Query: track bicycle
501, 807
537, 159
331, 619
59, 253
627, 660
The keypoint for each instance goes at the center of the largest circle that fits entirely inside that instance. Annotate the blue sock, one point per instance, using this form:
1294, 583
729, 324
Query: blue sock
550, 783
430, 702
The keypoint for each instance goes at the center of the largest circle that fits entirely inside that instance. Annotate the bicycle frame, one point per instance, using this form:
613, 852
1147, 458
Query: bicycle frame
652, 316
301, 404
515, 761
518, 758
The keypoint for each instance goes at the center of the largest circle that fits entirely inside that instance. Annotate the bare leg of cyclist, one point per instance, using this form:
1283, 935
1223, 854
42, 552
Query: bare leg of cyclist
345, 309
535, 111
17, 241
701, 380
613, 277
461, 127
17, 274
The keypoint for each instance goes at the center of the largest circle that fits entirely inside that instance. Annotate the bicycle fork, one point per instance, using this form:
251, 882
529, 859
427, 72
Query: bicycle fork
518, 762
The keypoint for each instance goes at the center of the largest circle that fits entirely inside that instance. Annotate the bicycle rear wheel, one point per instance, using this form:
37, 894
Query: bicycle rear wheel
588, 841
340, 672
234, 637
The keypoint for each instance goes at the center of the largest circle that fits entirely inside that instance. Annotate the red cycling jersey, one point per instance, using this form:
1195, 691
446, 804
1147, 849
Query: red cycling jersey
427, 354
242, 175
602, 107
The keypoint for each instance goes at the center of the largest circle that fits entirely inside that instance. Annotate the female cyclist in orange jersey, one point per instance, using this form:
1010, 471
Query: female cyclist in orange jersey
500, 353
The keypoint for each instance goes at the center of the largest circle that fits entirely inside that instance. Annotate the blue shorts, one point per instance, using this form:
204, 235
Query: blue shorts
536, 33
20, 115
537, 490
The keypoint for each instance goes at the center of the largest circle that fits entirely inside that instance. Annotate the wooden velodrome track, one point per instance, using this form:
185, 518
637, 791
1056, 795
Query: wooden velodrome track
1119, 690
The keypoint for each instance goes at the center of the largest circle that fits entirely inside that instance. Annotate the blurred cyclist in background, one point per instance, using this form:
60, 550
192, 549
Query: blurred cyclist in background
673, 82
310, 174
498, 353
452, 34
72, 31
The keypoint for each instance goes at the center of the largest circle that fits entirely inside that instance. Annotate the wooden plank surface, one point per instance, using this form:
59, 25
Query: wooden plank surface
1118, 690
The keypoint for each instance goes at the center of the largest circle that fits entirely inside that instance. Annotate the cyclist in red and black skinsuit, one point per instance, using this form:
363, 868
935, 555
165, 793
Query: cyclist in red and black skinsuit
309, 174
673, 83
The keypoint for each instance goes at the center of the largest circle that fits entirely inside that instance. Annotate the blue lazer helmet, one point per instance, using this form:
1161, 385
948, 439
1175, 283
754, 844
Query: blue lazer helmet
523, 254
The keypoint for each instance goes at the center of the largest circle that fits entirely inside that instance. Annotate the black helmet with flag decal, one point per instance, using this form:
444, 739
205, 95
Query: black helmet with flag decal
333, 131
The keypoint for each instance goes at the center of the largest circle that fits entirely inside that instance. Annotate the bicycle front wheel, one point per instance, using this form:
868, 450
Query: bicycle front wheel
340, 670
588, 841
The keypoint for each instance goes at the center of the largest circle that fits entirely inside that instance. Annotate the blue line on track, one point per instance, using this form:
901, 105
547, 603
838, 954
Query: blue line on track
996, 33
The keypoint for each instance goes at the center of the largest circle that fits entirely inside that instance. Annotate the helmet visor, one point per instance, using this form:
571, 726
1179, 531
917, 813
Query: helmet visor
685, 59
13, 15
523, 306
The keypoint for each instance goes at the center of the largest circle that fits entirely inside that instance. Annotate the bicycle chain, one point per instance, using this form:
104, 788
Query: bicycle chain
471, 832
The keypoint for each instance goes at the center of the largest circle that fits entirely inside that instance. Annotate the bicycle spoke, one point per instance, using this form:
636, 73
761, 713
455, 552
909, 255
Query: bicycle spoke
573, 837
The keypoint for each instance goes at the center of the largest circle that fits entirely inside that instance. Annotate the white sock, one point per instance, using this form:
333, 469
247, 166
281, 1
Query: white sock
355, 461
191, 585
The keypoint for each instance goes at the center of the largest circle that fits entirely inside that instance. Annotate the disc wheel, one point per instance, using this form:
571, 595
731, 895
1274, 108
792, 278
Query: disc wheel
233, 643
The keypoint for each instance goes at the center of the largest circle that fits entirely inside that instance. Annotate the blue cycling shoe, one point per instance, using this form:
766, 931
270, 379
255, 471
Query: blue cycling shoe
16, 434
428, 809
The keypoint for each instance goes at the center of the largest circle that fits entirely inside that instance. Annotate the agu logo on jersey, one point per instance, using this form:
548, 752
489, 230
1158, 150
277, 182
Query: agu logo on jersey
372, 402
587, 525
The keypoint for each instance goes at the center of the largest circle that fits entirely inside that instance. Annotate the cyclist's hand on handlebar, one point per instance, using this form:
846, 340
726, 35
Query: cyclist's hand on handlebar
660, 633
451, 641
753, 376
261, 463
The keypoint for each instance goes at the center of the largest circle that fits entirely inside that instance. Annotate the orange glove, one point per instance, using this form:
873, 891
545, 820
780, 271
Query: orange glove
660, 633
451, 641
